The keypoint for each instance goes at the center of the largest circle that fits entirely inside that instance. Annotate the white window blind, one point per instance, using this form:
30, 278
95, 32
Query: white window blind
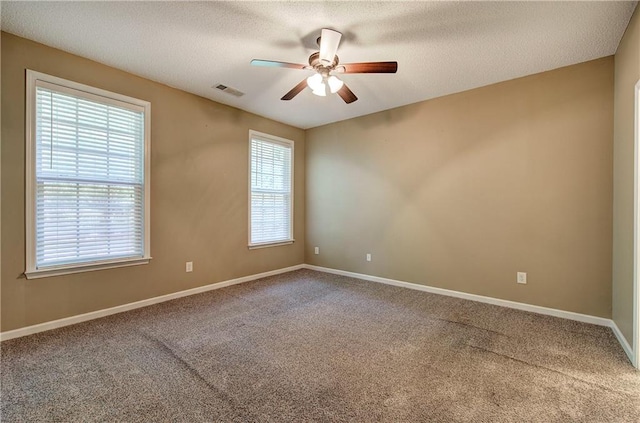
89, 204
271, 202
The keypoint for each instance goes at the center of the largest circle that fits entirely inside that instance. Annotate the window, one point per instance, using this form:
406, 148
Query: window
87, 191
270, 180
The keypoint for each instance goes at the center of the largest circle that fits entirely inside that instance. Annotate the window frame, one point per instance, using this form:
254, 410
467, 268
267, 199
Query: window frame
33, 79
282, 141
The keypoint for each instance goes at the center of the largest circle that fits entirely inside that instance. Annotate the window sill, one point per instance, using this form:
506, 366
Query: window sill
271, 244
86, 267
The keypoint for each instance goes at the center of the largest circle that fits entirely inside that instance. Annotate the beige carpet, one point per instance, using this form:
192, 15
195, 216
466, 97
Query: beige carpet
308, 346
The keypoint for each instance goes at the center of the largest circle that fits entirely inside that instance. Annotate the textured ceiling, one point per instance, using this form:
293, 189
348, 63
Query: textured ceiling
441, 47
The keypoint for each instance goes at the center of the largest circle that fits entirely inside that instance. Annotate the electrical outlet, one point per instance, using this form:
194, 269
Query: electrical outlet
522, 277
316, 250
368, 256
189, 266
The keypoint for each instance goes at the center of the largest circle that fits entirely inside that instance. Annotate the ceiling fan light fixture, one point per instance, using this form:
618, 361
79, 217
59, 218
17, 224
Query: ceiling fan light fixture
314, 81
335, 84
321, 90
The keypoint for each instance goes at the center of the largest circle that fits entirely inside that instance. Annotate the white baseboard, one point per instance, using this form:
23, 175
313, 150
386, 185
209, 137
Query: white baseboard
473, 297
601, 321
54, 324
586, 318
623, 342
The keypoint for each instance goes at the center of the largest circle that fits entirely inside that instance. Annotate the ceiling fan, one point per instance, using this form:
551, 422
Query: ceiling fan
326, 64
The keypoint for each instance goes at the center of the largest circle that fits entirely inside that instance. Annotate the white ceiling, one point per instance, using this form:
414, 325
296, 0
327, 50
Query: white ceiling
441, 47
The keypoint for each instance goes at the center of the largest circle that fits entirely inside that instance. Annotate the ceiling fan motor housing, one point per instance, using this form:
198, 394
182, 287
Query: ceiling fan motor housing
314, 62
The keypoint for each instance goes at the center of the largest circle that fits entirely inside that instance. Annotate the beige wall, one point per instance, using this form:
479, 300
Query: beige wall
627, 74
198, 194
462, 192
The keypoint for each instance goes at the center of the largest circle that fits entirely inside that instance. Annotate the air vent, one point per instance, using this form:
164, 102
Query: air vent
229, 90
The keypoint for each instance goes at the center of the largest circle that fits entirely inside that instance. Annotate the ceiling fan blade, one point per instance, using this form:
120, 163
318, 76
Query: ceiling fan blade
274, 64
368, 67
295, 90
346, 94
329, 40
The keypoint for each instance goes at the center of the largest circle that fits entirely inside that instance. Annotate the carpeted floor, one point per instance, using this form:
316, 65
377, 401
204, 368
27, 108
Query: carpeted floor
309, 346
